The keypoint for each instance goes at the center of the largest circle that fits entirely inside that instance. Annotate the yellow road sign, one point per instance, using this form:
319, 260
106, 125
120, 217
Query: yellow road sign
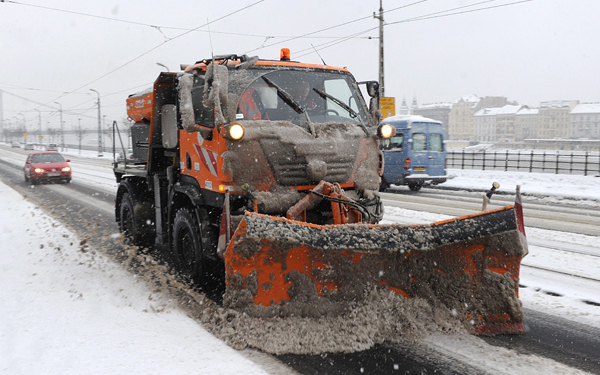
388, 106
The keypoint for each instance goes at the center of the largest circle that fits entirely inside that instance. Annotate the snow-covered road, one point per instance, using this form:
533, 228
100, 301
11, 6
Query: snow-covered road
59, 298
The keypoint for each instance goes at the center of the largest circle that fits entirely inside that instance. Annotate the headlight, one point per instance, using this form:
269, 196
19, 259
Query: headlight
235, 132
386, 131
39, 170
66, 169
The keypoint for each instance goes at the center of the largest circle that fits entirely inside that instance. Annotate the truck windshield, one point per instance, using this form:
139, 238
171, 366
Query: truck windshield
268, 98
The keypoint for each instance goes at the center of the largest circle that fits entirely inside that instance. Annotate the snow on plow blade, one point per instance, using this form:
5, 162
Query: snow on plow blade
470, 265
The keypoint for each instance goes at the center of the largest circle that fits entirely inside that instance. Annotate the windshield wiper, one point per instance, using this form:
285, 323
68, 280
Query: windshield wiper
345, 106
285, 96
289, 100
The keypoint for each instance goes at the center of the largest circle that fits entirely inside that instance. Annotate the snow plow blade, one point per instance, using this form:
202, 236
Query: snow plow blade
470, 265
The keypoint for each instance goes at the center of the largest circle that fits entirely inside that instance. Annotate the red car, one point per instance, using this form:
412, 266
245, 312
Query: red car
46, 166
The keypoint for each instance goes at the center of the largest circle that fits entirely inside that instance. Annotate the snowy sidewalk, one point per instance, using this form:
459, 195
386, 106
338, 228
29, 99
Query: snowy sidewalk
65, 309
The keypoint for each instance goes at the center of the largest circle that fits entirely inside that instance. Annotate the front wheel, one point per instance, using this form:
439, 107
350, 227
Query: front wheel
187, 245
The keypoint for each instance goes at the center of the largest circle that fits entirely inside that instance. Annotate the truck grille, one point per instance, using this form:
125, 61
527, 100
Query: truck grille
290, 169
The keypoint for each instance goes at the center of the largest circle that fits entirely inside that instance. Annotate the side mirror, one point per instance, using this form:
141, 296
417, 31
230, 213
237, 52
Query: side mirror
373, 89
373, 92
168, 119
68, 160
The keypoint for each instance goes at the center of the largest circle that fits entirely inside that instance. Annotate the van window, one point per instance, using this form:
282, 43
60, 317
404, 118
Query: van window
435, 142
419, 142
394, 143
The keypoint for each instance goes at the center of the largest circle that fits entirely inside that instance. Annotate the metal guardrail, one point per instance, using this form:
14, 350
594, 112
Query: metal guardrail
558, 162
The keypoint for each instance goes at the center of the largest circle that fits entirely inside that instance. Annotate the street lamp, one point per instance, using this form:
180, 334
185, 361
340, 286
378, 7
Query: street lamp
62, 130
40, 125
99, 125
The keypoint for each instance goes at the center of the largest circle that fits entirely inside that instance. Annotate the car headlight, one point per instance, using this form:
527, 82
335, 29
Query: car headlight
39, 170
66, 169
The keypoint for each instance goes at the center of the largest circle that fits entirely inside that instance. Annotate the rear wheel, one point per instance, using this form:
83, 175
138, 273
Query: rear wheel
132, 223
415, 186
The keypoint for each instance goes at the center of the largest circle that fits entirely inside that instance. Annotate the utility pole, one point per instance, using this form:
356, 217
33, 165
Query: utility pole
62, 130
381, 23
99, 125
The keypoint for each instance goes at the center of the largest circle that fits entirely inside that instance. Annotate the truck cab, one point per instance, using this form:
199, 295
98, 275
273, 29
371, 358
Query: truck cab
416, 155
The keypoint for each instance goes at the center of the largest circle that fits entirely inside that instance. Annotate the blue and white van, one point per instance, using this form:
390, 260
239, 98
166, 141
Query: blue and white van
416, 155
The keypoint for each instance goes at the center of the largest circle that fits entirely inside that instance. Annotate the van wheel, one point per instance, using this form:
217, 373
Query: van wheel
415, 186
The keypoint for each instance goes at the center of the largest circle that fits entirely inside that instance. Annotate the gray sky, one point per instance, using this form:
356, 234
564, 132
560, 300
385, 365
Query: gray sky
529, 52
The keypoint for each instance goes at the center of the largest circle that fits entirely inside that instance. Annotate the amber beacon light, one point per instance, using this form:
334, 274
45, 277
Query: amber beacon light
284, 54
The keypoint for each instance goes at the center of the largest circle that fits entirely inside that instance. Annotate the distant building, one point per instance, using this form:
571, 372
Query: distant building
527, 123
460, 118
585, 121
435, 111
555, 119
484, 125
461, 123
506, 123
496, 124
403, 110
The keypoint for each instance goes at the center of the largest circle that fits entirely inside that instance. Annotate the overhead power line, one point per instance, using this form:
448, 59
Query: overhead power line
439, 14
311, 34
152, 49
446, 14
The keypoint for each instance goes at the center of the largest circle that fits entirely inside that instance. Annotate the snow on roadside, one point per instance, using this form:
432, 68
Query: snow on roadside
66, 309
555, 186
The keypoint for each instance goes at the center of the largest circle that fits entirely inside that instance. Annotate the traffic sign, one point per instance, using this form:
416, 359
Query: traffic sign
388, 106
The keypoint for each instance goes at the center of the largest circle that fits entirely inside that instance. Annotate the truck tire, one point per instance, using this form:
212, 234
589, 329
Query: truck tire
415, 186
132, 224
187, 245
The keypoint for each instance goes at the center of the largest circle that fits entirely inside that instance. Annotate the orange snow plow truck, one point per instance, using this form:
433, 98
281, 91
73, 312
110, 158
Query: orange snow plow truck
258, 180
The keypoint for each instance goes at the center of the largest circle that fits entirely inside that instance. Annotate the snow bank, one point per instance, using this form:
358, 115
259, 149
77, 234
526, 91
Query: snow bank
64, 308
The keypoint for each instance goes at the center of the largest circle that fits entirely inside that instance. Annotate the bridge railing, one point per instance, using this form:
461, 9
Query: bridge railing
558, 162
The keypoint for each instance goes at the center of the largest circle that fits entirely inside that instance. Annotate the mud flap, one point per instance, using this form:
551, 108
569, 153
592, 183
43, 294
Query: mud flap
470, 265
